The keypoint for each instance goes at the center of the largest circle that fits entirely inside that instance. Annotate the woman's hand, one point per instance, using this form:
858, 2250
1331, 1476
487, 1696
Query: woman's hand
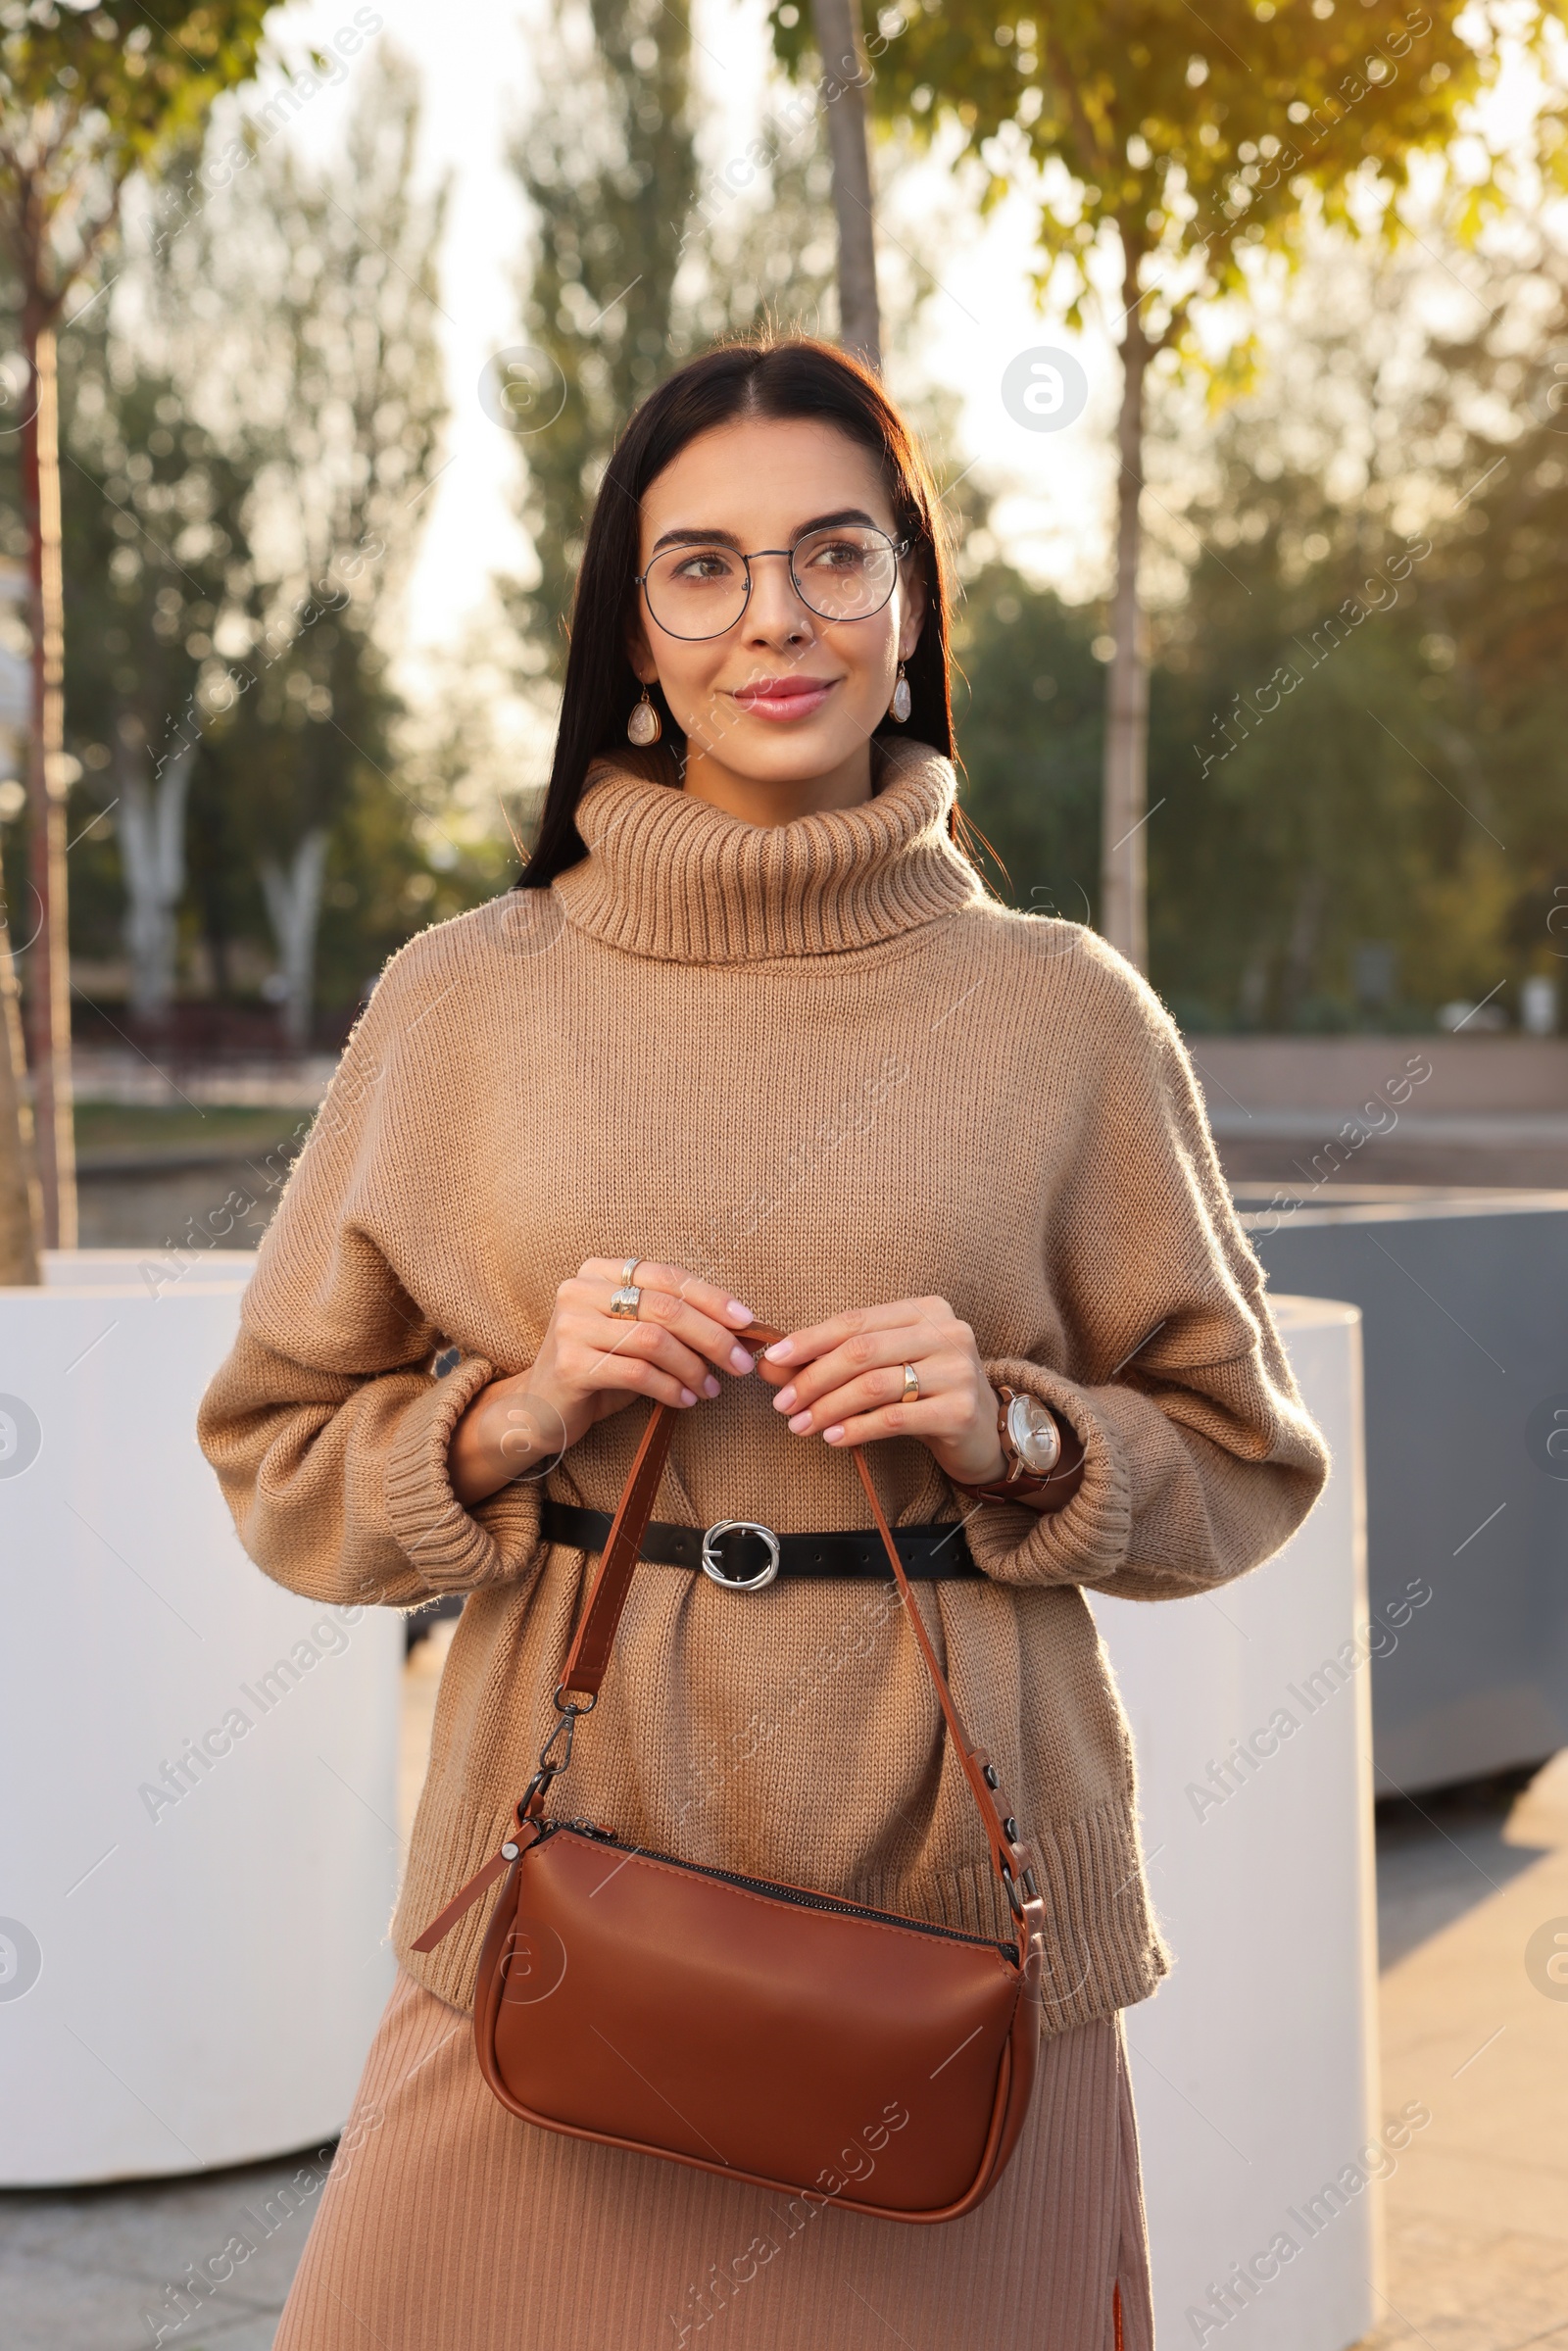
844, 1381
592, 1363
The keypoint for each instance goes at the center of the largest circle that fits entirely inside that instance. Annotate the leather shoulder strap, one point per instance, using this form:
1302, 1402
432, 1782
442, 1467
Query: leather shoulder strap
589, 1656
1009, 1858
589, 1653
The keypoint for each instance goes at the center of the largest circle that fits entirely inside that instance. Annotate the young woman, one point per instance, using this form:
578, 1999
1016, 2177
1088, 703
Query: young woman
750, 1038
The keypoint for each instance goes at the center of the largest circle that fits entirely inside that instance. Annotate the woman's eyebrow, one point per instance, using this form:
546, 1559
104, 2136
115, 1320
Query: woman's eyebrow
848, 514
727, 538
696, 538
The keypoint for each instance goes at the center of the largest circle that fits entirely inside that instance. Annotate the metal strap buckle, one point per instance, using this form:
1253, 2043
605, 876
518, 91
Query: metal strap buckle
740, 1525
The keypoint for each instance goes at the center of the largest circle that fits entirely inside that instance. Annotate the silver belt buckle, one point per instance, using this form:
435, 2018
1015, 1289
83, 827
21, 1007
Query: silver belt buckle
740, 1525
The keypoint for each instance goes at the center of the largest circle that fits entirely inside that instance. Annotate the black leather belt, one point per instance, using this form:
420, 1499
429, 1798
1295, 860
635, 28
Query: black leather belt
746, 1556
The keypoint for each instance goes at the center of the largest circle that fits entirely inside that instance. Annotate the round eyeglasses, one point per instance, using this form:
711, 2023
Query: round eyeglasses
846, 572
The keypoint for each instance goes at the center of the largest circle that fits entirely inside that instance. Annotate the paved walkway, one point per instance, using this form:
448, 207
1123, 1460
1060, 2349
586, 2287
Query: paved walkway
90, 2271
1471, 1894
1473, 1900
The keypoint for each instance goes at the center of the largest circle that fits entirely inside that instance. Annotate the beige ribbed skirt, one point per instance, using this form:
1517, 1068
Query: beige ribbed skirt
449, 2225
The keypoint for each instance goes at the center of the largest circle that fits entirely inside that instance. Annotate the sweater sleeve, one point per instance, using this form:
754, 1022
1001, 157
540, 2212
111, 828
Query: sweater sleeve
1201, 1459
327, 1433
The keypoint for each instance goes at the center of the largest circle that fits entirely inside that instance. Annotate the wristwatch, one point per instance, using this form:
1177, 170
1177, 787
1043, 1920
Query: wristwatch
1030, 1449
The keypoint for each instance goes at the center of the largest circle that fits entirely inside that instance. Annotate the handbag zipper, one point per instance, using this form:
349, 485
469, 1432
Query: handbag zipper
779, 1894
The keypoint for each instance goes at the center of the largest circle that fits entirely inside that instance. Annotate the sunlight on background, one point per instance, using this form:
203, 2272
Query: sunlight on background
971, 278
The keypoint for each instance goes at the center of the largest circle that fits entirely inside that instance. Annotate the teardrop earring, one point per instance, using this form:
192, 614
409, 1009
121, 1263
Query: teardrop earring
903, 702
645, 725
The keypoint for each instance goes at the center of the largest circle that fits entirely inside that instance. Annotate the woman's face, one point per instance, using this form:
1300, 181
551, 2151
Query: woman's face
780, 707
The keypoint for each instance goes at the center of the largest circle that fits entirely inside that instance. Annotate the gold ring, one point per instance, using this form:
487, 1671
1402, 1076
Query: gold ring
625, 1301
628, 1272
911, 1386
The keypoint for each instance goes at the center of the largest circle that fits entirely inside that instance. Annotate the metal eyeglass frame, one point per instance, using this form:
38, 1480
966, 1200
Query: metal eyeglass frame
898, 548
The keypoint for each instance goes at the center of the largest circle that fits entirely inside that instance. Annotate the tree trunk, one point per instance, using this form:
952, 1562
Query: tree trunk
293, 908
1125, 891
844, 75
152, 852
49, 956
19, 1205
1301, 952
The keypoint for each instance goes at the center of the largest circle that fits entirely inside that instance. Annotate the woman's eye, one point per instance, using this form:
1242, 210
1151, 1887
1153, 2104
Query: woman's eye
840, 554
706, 563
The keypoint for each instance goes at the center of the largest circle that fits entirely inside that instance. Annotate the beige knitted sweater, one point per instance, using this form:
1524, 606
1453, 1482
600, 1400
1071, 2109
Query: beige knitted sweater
818, 1064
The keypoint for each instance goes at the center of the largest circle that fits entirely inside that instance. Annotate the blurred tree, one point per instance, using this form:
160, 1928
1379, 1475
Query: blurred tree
764, 263
302, 309
1357, 802
1028, 710
746, 244
846, 73
1499, 699
1315, 866
610, 171
154, 548
1381, 832
21, 1210
1188, 152
87, 97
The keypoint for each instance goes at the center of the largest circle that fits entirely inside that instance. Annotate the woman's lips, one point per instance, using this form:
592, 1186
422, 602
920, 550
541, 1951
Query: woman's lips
789, 698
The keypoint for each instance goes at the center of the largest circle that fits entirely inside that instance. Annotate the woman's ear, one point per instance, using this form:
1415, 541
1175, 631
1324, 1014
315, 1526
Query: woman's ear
916, 600
639, 654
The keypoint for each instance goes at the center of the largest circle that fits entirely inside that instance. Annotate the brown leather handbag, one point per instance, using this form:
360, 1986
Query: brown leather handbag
771, 2033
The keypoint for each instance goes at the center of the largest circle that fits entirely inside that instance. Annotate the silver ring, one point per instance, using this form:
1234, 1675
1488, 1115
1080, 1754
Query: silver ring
911, 1386
628, 1273
741, 1526
625, 1301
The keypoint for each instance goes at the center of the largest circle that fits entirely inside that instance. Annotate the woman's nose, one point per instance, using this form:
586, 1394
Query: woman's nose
775, 613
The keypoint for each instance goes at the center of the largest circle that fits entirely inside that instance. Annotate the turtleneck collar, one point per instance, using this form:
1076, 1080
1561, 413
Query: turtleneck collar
672, 877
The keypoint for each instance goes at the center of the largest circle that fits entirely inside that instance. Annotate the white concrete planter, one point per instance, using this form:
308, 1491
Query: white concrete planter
200, 1854
1255, 2066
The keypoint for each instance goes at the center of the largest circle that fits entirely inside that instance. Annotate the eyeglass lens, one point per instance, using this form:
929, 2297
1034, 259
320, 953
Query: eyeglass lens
844, 574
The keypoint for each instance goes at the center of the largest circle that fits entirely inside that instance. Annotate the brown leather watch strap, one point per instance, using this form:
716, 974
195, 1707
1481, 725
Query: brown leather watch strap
1046, 1493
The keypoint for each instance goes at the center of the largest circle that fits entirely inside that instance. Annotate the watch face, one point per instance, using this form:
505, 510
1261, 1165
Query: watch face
1034, 1433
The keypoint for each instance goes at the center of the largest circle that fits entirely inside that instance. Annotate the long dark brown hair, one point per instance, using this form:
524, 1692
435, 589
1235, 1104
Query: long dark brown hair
760, 377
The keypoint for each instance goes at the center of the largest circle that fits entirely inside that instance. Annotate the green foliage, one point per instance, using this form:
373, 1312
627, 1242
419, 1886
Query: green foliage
1499, 623
1192, 143
88, 96
153, 511
1028, 706
242, 494
1358, 760
610, 174
610, 171
1295, 826
319, 347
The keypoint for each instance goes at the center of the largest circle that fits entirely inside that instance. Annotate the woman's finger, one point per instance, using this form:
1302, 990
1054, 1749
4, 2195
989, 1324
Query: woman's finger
933, 1315
802, 1347
867, 1351
635, 1377
663, 1308
649, 1274
706, 1318
875, 1391
603, 1342
925, 1420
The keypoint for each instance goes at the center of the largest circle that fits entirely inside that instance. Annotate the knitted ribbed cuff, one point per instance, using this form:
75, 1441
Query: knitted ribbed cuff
1087, 1540
448, 1550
